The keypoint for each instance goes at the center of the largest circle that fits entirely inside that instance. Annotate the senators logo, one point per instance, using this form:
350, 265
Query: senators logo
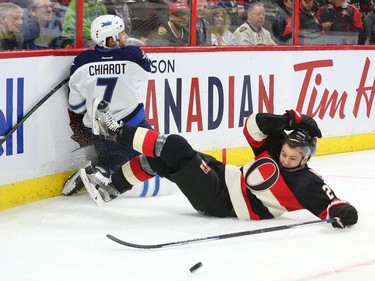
162, 30
262, 174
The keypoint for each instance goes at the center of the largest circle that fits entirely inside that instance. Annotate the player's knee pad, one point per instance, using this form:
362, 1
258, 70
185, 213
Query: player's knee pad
176, 151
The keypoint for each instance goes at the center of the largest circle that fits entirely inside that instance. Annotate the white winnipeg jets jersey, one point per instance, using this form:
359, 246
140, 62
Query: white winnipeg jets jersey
114, 75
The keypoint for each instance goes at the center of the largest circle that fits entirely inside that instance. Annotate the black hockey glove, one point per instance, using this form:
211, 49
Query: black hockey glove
347, 214
81, 134
301, 121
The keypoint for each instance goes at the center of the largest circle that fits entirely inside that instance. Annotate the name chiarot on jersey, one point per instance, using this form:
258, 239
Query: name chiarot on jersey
107, 69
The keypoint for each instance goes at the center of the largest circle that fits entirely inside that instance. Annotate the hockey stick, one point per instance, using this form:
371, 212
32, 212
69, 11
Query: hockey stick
221, 236
46, 97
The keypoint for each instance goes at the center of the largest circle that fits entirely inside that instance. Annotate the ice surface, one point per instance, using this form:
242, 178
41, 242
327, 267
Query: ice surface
64, 238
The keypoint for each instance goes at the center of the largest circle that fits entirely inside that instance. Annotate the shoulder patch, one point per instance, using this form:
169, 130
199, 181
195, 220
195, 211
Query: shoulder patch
242, 29
162, 30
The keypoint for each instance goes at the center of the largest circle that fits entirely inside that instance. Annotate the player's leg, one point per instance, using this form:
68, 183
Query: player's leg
180, 163
110, 155
104, 187
113, 155
171, 155
203, 185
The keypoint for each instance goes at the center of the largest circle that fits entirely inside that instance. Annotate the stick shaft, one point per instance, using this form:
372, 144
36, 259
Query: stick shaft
219, 237
24, 118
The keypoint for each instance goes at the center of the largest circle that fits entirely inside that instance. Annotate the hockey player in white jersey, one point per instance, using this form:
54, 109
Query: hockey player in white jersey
112, 71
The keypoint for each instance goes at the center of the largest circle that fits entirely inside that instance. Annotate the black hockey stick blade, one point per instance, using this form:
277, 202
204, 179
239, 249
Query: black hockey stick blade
47, 96
219, 237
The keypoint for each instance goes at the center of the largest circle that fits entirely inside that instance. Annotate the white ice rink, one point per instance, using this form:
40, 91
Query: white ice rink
64, 238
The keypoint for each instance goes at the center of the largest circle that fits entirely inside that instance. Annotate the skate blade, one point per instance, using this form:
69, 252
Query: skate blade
92, 191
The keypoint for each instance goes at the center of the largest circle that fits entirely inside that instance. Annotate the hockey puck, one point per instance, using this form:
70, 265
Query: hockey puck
195, 267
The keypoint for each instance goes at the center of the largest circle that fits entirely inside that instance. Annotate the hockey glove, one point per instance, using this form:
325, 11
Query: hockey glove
301, 121
346, 213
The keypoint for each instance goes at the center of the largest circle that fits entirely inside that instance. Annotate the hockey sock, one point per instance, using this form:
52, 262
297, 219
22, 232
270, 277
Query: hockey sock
141, 139
130, 174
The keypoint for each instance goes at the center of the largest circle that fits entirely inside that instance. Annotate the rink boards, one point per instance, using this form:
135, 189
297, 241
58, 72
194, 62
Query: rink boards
204, 96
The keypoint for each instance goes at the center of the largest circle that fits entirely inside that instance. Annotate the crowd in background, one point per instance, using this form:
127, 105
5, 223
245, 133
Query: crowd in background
44, 24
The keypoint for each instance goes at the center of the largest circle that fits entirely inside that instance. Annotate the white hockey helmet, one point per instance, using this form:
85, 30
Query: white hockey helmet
106, 26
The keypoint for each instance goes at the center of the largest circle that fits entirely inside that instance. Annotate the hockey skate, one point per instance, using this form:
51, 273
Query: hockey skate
103, 122
98, 184
74, 183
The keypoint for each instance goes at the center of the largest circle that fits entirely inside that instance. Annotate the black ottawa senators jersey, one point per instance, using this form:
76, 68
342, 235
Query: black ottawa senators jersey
263, 189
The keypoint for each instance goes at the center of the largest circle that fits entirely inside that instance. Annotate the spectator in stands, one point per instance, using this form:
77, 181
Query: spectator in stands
242, 11
120, 8
11, 18
202, 23
91, 10
368, 34
310, 29
145, 20
175, 32
41, 27
252, 31
286, 24
218, 32
59, 11
341, 21
288, 6
275, 20
230, 7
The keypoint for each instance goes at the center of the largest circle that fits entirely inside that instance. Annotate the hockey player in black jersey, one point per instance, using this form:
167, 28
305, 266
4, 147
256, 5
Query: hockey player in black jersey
112, 71
278, 180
